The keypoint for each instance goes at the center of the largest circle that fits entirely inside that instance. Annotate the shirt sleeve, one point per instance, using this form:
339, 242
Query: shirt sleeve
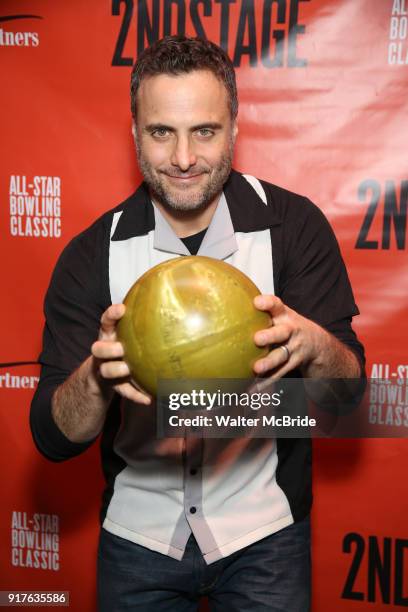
344, 332
76, 298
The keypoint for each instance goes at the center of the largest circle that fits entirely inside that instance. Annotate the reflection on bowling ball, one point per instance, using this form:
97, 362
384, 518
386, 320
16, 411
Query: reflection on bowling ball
191, 318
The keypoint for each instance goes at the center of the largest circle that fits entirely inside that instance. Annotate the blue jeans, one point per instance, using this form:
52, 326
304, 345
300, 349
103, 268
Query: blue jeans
271, 575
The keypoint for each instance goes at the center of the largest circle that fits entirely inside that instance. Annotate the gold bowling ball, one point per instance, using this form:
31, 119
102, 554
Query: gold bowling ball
191, 318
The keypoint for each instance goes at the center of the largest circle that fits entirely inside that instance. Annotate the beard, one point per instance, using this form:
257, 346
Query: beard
186, 197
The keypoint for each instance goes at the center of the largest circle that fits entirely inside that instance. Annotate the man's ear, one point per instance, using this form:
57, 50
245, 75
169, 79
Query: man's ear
134, 132
235, 129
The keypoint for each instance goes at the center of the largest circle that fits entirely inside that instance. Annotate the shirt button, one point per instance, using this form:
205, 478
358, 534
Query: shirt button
193, 471
193, 509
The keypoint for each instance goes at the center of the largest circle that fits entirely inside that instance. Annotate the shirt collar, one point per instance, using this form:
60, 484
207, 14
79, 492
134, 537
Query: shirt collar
219, 240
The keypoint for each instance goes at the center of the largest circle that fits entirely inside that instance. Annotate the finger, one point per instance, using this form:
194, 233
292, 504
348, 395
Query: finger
270, 303
280, 372
267, 384
262, 385
276, 334
278, 357
103, 349
110, 318
128, 391
114, 369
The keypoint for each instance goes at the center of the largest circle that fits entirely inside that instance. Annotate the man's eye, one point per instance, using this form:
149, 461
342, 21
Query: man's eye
160, 133
206, 132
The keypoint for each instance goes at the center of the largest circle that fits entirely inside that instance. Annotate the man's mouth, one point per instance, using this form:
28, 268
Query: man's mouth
184, 178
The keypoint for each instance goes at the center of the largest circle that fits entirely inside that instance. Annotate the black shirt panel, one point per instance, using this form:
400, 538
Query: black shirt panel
248, 212
293, 453
112, 464
311, 275
137, 217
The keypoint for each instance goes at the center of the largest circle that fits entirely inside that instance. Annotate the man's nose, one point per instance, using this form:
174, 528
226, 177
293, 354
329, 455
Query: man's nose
183, 154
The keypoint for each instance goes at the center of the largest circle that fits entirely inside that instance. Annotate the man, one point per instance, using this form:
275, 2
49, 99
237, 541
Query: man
181, 519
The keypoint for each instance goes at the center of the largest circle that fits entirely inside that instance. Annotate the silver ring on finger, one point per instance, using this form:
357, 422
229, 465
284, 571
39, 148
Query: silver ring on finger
286, 351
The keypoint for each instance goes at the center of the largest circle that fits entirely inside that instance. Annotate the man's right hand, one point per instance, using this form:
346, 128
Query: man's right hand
110, 369
80, 404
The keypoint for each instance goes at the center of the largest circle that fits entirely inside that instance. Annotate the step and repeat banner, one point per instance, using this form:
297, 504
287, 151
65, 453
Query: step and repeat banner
323, 88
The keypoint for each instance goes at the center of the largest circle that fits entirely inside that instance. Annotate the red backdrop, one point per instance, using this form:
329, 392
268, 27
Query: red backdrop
323, 105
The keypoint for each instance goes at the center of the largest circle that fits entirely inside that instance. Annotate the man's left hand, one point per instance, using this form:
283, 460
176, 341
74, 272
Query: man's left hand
298, 342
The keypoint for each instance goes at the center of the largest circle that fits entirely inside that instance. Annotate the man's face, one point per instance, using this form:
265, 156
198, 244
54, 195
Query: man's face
184, 138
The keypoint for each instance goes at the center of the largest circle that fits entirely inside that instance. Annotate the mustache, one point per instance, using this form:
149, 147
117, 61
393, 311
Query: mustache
173, 172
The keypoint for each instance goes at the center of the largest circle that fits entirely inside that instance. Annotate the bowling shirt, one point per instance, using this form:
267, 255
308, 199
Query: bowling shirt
228, 492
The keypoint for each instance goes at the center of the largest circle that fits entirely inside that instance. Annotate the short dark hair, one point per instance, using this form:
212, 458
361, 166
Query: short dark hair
181, 54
